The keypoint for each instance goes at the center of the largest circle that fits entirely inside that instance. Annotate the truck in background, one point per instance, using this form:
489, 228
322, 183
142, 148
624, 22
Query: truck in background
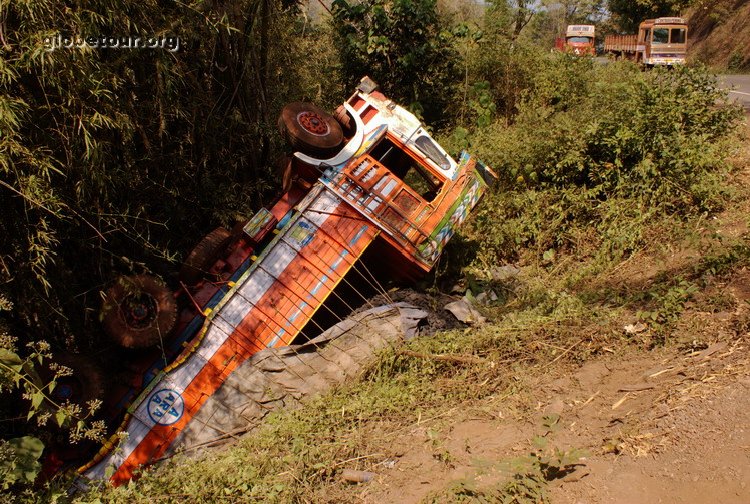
579, 40
661, 41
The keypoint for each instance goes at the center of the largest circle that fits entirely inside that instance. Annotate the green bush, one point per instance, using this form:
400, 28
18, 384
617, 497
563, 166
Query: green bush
599, 150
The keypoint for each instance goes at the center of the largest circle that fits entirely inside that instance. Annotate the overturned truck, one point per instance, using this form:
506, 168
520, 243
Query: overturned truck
368, 195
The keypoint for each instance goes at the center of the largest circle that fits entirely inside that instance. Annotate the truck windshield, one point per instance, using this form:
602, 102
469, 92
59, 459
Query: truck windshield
661, 36
579, 40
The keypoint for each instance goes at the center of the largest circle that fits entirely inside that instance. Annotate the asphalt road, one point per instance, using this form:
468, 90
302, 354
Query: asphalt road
739, 86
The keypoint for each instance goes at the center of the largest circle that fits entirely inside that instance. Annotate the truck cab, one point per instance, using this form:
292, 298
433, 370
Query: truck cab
579, 40
662, 41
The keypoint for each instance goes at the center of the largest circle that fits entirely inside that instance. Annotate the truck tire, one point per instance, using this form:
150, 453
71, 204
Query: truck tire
86, 383
204, 255
346, 123
285, 168
309, 129
139, 311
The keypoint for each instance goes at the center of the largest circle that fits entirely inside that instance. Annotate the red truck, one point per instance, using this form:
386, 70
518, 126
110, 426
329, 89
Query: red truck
659, 42
579, 40
368, 195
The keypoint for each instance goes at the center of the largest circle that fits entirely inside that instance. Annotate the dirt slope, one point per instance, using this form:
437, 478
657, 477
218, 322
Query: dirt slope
667, 426
720, 34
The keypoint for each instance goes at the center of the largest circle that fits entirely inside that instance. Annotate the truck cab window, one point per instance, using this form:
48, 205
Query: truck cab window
406, 168
432, 151
661, 36
677, 36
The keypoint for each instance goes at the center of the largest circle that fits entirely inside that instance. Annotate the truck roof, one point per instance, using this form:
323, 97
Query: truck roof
669, 20
664, 21
580, 31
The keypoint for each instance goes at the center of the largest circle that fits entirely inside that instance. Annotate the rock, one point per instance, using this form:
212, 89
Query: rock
636, 328
576, 475
503, 273
464, 312
353, 476
486, 297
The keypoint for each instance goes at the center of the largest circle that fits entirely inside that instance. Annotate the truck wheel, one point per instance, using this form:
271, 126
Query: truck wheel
138, 311
310, 129
86, 382
204, 255
285, 168
342, 117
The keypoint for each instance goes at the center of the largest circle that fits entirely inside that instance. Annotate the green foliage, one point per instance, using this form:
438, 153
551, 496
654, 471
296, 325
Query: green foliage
404, 46
667, 306
629, 13
500, 64
24, 374
19, 461
737, 61
482, 104
600, 151
113, 160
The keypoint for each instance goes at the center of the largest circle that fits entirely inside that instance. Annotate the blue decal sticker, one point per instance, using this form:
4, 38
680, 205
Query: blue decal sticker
165, 407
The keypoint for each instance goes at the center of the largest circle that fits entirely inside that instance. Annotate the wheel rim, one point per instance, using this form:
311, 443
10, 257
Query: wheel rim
313, 123
139, 311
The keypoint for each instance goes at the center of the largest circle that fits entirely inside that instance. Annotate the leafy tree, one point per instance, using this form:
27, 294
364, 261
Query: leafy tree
404, 46
113, 161
550, 22
523, 12
497, 64
102, 151
629, 13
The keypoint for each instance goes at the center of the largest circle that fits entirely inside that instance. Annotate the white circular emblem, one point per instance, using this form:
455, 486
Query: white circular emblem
165, 407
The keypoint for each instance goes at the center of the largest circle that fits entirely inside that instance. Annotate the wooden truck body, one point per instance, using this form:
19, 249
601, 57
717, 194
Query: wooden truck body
659, 42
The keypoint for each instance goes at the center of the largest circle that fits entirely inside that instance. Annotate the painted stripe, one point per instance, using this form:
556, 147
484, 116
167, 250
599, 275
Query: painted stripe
333, 267
294, 316
358, 235
277, 338
318, 286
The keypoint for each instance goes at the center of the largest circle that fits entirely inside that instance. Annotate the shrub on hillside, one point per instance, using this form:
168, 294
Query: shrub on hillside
601, 149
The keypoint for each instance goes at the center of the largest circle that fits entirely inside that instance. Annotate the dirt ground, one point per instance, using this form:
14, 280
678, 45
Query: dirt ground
661, 426
670, 425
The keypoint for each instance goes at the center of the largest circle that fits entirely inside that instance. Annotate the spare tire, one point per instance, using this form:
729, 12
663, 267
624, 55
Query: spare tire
285, 168
204, 255
139, 311
310, 129
343, 118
